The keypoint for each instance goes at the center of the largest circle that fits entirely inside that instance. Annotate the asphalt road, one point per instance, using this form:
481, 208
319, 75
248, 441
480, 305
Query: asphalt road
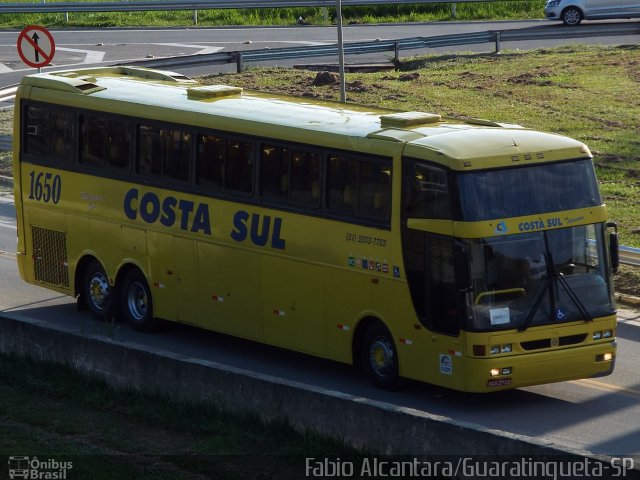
90, 47
595, 415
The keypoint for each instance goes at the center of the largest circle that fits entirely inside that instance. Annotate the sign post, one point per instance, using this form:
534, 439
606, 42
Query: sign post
36, 46
343, 93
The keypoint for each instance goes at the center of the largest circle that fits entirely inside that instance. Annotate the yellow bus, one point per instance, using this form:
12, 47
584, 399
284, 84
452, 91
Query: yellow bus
464, 253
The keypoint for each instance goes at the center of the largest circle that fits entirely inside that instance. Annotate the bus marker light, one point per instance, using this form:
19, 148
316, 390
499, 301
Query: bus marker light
406, 341
280, 313
479, 350
217, 298
158, 285
346, 328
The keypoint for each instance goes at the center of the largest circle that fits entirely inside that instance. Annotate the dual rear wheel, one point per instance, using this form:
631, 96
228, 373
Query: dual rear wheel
130, 299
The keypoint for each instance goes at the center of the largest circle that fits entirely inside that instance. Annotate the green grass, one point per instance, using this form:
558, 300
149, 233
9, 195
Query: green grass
284, 16
49, 411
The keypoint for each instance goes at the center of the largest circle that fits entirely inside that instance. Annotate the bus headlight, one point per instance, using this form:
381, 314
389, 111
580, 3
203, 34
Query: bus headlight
607, 334
494, 372
496, 349
608, 357
597, 335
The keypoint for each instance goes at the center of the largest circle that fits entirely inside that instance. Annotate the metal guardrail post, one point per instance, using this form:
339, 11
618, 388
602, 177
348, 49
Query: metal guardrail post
453, 11
195, 17
396, 52
497, 34
239, 62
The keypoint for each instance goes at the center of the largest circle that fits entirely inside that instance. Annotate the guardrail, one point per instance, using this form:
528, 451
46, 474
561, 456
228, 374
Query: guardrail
148, 5
546, 32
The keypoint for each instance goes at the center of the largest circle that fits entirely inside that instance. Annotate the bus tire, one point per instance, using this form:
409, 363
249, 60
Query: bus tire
379, 357
136, 302
96, 291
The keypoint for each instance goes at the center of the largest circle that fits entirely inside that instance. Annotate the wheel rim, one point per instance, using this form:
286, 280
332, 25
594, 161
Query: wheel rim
137, 301
98, 290
381, 357
572, 17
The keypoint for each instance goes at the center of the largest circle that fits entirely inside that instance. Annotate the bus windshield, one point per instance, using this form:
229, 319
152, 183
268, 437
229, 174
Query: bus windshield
546, 277
534, 189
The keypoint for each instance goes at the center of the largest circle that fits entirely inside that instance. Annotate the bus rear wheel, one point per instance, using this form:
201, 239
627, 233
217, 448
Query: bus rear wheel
137, 305
96, 290
379, 357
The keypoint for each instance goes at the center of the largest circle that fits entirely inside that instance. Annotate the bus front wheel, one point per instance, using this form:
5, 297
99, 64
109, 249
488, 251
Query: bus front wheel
379, 357
137, 306
96, 290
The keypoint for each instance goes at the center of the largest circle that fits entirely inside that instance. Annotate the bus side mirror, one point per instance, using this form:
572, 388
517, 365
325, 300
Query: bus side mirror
614, 247
462, 265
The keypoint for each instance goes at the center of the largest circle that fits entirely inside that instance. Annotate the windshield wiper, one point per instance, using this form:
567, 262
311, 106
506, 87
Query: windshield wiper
534, 308
553, 272
574, 298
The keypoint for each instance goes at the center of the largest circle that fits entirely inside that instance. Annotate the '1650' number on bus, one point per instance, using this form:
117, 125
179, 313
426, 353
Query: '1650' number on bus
45, 187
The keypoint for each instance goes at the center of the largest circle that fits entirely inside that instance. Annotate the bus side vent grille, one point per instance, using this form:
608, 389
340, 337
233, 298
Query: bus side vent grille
50, 256
546, 342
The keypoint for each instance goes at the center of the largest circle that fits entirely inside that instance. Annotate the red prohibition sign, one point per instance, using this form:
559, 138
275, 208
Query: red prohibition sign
36, 46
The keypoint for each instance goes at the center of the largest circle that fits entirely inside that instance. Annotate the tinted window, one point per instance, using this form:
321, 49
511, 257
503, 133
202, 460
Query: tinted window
164, 151
359, 186
528, 190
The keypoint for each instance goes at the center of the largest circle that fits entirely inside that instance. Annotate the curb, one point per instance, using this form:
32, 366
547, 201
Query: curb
375, 426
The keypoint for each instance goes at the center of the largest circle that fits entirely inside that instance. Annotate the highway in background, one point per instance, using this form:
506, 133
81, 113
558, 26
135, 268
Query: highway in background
593, 415
92, 47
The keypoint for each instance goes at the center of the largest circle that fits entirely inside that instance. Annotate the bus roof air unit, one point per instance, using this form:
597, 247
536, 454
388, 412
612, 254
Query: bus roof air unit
408, 119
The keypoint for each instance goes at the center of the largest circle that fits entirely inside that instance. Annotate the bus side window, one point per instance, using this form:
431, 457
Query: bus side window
177, 154
430, 270
61, 135
149, 151
210, 160
92, 140
238, 174
343, 184
274, 172
305, 178
36, 130
164, 151
375, 190
426, 192
118, 145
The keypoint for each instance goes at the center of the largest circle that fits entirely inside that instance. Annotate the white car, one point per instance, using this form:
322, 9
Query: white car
572, 12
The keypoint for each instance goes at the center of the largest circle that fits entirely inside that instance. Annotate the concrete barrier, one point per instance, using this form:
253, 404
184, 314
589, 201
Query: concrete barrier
375, 426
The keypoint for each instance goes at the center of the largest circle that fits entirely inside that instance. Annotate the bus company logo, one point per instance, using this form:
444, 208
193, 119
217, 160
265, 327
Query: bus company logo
501, 228
33, 468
